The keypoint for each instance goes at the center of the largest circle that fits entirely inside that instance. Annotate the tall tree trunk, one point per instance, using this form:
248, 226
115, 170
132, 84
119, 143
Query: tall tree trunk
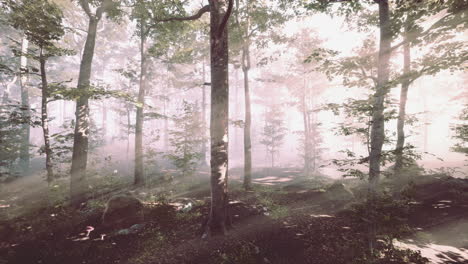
45, 118
306, 135
218, 220
402, 108
104, 121
25, 128
204, 125
128, 138
78, 183
139, 170
248, 119
377, 129
377, 135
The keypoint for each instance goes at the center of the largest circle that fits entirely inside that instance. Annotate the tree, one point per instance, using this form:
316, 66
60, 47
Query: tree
220, 11
78, 184
252, 18
444, 53
306, 84
461, 133
41, 22
273, 131
25, 133
187, 139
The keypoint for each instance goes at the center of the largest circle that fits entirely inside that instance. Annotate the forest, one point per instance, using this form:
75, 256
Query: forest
234, 131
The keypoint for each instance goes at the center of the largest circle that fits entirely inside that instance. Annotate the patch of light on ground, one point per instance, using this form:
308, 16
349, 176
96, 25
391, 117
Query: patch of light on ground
437, 254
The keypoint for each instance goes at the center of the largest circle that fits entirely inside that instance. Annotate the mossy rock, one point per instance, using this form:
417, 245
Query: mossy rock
123, 211
338, 191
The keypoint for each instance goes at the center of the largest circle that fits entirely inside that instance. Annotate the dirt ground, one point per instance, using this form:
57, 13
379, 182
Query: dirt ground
286, 219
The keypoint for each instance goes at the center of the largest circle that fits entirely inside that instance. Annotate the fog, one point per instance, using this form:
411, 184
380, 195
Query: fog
316, 123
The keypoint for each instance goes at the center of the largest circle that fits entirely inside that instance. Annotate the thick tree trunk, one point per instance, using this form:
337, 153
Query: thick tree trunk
218, 220
25, 128
78, 183
402, 108
45, 118
377, 129
139, 170
248, 120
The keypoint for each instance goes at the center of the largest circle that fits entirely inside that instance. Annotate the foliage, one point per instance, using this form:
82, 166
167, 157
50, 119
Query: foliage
187, 139
40, 20
461, 133
273, 131
12, 117
62, 143
389, 216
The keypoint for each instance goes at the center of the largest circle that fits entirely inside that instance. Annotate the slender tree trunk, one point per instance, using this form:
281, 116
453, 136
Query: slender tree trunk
139, 170
272, 158
128, 138
218, 220
104, 121
377, 134
402, 109
248, 120
6, 92
45, 118
204, 125
25, 133
377, 128
78, 185
166, 119
306, 135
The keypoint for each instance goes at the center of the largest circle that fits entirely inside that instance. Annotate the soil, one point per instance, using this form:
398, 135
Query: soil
289, 222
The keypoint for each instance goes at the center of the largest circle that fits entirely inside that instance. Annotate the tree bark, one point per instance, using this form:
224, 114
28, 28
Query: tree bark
378, 129
204, 125
402, 108
26, 129
78, 183
218, 220
248, 119
139, 170
306, 135
45, 118
104, 122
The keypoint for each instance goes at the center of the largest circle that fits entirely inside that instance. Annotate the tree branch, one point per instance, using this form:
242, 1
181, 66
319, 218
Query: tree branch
225, 18
200, 12
85, 5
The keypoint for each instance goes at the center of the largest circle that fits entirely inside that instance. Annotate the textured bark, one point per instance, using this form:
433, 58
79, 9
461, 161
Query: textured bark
78, 183
377, 129
402, 108
139, 170
218, 220
45, 118
25, 128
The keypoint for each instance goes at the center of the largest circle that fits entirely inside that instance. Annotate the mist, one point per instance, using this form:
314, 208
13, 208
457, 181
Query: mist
233, 131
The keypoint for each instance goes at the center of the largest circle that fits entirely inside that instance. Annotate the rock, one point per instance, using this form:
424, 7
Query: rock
339, 192
131, 230
122, 211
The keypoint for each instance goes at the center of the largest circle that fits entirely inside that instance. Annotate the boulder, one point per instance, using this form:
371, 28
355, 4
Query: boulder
123, 211
339, 192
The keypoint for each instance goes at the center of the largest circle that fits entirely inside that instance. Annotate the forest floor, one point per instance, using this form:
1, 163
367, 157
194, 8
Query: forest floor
284, 219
